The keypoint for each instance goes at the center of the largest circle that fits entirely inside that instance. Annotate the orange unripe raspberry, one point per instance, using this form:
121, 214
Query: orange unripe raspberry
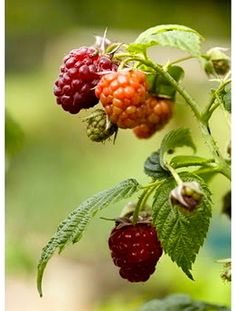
123, 95
158, 113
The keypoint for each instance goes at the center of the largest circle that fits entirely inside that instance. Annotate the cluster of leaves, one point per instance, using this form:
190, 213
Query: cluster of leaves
181, 232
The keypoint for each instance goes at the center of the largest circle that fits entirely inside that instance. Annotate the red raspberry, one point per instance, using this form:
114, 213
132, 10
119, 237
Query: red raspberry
135, 249
123, 94
158, 113
79, 75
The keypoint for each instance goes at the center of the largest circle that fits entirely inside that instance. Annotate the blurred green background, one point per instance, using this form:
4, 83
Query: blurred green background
51, 165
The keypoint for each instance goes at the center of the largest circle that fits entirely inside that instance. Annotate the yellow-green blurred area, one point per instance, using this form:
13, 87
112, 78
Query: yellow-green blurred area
51, 165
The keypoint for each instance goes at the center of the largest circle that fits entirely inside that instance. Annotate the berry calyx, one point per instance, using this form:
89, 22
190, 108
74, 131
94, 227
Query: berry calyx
135, 249
158, 113
79, 74
122, 94
99, 128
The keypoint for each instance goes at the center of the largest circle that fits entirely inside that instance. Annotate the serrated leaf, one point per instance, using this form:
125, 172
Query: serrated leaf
72, 228
176, 36
188, 160
175, 138
153, 168
181, 234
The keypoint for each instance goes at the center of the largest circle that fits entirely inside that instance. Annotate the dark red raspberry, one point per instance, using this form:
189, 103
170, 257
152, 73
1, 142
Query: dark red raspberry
158, 113
123, 94
135, 249
75, 87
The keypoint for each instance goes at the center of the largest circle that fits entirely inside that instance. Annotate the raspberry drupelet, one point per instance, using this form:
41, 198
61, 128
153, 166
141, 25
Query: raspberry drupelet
79, 75
135, 249
123, 95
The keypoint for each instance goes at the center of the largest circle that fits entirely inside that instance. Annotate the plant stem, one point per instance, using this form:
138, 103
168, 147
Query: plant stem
181, 60
143, 199
201, 117
174, 174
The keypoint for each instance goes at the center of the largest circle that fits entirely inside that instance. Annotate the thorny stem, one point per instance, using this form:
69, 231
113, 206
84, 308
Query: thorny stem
201, 117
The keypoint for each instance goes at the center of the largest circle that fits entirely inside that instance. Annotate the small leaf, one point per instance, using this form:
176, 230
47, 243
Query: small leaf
163, 88
188, 160
153, 168
176, 36
181, 233
175, 138
72, 228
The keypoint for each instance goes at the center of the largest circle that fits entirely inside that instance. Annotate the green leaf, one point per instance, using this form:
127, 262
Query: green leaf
188, 160
72, 228
181, 234
175, 138
163, 88
176, 36
153, 168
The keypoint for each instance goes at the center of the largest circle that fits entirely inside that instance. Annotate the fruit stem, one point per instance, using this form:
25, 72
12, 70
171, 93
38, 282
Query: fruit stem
174, 174
181, 60
143, 199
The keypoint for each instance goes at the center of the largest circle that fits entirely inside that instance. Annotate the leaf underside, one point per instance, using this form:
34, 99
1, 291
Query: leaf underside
71, 229
176, 36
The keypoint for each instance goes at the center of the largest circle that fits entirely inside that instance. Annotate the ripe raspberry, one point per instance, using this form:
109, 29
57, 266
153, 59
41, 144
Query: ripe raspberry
158, 113
99, 128
79, 75
135, 249
123, 94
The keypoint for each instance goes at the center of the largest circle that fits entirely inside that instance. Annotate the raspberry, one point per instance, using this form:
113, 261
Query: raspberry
158, 113
123, 94
79, 75
135, 249
99, 128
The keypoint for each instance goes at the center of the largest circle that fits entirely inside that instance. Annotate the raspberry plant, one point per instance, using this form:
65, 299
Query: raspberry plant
173, 211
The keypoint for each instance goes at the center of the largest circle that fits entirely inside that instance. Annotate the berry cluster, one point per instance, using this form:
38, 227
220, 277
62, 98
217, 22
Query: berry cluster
125, 98
135, 249
80, 73
88, 76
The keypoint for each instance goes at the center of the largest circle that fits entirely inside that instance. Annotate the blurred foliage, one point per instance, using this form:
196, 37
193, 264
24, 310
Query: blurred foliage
31, 24
180, 303
14, 135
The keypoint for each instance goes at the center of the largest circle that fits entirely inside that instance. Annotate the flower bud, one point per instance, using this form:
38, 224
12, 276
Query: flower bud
188, 195
99, 128
217, 62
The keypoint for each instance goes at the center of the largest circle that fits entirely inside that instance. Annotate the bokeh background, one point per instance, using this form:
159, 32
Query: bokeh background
51, 165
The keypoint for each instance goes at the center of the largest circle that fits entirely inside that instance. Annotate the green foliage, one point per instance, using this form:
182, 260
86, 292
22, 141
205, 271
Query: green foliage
163, 86
72, 228
225, 97
176, 36
175, 138
181, 233
188, 160
180, 302
13, 134
153, 168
